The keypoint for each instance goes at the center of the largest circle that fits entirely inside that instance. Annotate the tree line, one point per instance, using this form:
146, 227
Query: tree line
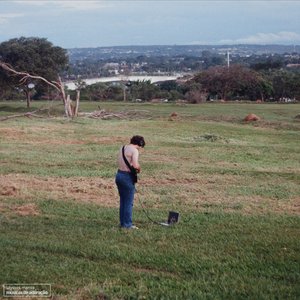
268, 79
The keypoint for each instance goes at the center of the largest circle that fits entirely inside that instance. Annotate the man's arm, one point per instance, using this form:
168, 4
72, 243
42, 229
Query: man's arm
135, 160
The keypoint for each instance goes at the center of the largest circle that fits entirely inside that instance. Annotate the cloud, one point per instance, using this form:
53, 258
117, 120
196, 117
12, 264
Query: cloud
36, 3
282, 37
68, 5
4, 18
82, 5
200, 42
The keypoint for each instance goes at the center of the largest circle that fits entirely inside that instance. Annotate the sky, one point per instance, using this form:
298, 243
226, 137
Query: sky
81, 24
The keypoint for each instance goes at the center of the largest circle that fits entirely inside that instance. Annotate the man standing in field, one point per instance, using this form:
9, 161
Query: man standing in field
126, 177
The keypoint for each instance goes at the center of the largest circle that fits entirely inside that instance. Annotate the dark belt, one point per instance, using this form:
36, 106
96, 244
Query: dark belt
124, 172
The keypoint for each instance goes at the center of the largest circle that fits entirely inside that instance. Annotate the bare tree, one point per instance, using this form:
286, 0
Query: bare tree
58, 85
80, 84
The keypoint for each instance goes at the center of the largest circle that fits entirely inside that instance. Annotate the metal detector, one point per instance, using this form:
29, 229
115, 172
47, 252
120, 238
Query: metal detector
173, 216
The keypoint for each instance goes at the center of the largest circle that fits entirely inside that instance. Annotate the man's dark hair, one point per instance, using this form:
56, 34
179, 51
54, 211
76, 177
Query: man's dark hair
138, 140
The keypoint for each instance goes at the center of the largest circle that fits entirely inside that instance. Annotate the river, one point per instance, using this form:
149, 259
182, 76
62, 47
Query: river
71, 85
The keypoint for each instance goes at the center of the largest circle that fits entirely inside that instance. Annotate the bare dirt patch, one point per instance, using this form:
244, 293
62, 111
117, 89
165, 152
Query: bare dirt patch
11, 133
29, 209
251, 118
9, 190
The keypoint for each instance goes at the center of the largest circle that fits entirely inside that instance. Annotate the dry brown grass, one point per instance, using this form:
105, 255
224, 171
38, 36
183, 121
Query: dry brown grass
29, 188
198, 194
47, 136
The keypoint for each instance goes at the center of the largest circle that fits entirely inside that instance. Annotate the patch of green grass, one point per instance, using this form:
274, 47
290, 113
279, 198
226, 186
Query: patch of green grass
270, 190
210, 255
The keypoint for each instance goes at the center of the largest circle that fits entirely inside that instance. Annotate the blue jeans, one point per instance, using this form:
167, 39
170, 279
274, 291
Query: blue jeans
126, 190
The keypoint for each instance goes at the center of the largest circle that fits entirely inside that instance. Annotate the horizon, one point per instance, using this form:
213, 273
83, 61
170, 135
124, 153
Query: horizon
195, 45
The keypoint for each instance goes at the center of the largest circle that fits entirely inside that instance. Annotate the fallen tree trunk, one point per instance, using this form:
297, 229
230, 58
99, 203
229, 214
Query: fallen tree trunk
27, 114
104, 115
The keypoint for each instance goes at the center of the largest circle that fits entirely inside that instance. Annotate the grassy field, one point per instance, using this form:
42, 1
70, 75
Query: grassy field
236, 186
